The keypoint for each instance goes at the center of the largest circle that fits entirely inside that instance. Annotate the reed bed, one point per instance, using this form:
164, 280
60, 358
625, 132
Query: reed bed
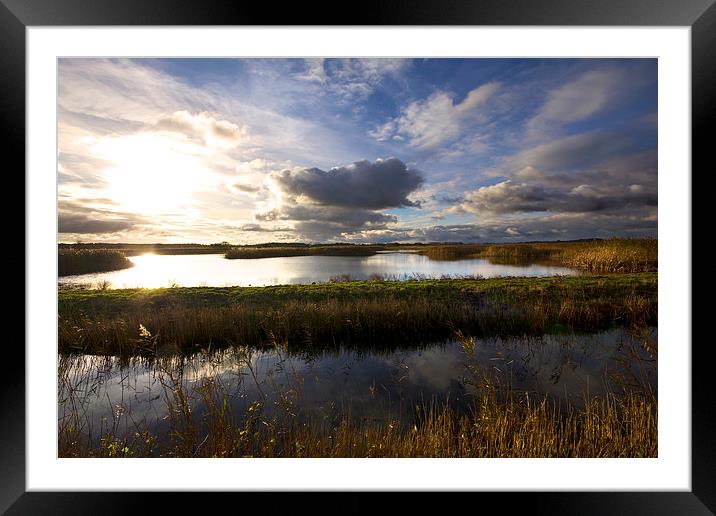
453, 251
83, 261
599, 256
618, 255
520, 252
180, 320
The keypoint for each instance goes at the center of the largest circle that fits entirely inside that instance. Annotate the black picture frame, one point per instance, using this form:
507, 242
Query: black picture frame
700, 15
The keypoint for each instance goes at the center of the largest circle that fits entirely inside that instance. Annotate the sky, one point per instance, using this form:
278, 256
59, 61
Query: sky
356, 150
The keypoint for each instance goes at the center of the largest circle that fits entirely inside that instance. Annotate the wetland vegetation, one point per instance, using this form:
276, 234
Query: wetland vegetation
372, 321
108, 321
603, 256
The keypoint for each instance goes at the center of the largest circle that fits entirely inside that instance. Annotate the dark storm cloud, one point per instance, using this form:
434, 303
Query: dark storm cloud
74, 223
82, 218
328, 229
563, 226
628, 169
323, 205
581, 175
509, 197
552, 227
326, 222
258, 228
379, 185
345, 216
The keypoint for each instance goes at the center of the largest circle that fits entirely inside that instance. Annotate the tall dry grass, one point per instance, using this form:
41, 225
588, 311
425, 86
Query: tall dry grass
453, 251
518, 252
357, 318
618, 255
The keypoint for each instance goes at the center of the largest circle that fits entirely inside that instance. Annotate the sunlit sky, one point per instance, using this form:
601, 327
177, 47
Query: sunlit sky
356, 150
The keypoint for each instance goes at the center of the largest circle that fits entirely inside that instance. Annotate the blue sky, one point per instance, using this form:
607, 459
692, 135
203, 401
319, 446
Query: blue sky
359, 150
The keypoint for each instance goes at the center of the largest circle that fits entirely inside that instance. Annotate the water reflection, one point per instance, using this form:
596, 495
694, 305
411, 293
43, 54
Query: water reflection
153, 271
370, 385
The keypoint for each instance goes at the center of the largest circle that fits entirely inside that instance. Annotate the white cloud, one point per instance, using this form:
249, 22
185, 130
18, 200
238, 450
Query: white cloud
351, 79
314, 71
560, 177
121, 89
204, 159
428, 124
212, 131
385, 132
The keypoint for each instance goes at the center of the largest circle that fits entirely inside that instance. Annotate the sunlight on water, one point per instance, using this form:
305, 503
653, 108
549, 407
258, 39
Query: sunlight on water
213, 270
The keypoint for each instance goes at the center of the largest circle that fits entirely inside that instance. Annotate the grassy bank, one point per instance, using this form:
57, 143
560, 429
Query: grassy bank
83, 261
353, 313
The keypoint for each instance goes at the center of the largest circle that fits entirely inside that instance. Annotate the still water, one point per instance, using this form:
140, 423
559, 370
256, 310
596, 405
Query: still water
213, 270
366, 385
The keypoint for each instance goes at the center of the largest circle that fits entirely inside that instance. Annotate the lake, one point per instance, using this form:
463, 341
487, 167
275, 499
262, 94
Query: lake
370, 384
213, 270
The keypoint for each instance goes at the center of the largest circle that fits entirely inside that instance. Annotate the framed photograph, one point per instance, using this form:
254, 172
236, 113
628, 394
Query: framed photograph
432, 250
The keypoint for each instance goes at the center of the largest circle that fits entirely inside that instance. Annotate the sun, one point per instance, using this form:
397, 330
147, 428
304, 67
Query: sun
152, 173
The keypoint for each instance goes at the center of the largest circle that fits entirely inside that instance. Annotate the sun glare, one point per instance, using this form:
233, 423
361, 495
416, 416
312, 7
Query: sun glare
152, 173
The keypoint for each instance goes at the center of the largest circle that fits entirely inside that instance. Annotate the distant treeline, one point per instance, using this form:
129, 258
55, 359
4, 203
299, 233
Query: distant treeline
220, 246
135, 249
304, 250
